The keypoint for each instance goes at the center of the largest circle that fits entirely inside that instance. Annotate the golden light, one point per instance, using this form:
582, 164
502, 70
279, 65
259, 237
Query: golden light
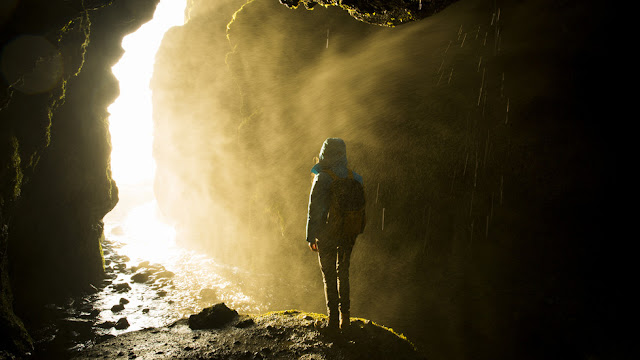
131, 129
130, 123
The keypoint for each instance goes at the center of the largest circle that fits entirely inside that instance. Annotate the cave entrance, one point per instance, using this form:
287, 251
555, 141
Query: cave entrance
136, 220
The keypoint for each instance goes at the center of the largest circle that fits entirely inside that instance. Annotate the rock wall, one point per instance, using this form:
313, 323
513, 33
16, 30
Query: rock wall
55, 184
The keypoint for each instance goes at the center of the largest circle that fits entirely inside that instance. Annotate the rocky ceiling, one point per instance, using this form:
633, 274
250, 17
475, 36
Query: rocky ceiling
377, 12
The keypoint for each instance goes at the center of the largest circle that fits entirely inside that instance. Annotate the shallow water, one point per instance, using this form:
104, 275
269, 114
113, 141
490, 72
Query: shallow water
139, 235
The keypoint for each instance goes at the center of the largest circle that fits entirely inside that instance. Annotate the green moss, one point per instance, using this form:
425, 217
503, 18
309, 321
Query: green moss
15, 163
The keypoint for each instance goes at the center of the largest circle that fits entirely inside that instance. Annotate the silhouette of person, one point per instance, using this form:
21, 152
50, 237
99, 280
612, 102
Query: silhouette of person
333, 247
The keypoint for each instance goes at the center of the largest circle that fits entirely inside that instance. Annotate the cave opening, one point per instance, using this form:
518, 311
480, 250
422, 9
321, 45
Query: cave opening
136, 220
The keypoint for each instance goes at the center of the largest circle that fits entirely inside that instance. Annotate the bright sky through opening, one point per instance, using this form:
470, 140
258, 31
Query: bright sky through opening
130, 123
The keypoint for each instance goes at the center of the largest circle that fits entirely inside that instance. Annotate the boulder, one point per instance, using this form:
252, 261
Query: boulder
117, 308
122, 324
213, 317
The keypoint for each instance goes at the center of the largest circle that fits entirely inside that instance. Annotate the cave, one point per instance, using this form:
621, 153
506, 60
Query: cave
477, 125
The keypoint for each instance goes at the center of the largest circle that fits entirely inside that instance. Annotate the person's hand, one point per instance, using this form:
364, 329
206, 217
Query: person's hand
313, 245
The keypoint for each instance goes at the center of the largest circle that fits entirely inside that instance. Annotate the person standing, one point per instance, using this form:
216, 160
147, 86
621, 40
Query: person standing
335, 218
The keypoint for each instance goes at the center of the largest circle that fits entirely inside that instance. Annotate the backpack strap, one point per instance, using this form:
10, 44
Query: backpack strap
334, 176
331, 173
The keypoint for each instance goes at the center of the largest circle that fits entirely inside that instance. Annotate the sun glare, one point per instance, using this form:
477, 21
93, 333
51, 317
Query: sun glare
130, 122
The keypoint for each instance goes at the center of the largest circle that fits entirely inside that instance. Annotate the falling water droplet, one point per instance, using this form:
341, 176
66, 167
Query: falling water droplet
447, 49
506, 119
463, 39
420, 5
382, 219
479, 63
481, 86
327, 39
377, 192
450, 74
465, 165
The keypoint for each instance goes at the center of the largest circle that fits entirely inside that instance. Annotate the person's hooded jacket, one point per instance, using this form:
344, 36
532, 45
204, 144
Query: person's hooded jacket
333, 156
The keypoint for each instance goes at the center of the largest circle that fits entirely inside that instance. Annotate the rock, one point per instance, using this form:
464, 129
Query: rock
165, 274
123, 301
80, 326
145, 311
162, 293
106, 325
245, 323
213, 317
141, 277
118, 307
122, 287
107, 261
143, 264
123, 323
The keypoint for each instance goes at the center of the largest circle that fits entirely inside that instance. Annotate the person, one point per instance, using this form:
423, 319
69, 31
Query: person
331, 243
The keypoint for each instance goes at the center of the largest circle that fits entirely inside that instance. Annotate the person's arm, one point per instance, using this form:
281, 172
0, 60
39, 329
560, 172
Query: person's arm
318, 208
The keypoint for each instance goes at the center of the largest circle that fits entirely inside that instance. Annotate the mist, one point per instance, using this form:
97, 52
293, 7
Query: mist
467, 128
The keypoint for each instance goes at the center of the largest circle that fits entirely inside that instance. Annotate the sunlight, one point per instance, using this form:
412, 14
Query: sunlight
130, 123
146, 236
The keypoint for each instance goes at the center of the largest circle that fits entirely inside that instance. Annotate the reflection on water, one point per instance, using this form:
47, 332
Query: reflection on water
139, 236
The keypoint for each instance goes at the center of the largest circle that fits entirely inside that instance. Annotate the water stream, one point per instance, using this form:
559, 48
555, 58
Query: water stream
181, 281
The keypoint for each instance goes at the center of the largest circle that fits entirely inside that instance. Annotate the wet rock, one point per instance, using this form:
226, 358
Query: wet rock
162, 293
166, 274
106, 325
81, 327
122, 287
107, 261
117, 308
141, 277
145, 311
120, 266
123, 301
212, 317
122, 324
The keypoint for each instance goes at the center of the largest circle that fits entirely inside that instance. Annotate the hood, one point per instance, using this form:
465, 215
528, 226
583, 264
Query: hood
332, 155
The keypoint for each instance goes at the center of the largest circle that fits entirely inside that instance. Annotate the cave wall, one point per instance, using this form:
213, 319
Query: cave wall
475, 134
55, 184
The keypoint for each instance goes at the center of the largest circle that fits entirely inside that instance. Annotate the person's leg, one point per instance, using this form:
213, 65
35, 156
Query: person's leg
327, 255
344, 260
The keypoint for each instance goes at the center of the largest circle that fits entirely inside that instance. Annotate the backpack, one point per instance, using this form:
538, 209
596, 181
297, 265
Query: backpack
346, 218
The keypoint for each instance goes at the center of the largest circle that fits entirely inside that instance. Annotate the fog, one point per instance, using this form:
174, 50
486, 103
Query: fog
462, 126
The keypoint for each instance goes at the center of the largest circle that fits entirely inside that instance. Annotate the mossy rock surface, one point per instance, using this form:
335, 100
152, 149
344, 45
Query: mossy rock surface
287, 334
